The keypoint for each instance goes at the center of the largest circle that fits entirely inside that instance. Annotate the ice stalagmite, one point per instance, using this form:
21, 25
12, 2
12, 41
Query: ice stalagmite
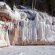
4, 40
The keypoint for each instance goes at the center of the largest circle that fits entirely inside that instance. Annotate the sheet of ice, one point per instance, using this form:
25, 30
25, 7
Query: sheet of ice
28, 50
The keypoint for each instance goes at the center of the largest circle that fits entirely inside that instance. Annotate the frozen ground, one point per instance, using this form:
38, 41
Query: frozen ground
28, 50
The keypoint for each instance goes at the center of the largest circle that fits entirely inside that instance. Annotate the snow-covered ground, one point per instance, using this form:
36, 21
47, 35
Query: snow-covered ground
28, 50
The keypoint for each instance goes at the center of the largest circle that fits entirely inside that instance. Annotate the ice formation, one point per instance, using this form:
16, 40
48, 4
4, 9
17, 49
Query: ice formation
39, 28
32, 25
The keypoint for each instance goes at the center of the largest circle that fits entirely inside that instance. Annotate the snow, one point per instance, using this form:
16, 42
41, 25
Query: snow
2, 3
28, 50
6, 6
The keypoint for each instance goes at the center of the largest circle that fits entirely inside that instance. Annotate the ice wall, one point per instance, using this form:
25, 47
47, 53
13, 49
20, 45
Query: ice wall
41, 28
31, 25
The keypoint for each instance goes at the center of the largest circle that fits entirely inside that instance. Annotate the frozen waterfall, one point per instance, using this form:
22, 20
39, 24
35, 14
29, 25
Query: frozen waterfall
37, 26
31, 25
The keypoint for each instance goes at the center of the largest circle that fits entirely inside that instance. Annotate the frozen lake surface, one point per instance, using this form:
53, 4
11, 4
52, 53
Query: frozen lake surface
28, 50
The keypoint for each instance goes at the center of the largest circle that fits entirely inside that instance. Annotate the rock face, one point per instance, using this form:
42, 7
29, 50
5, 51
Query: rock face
4, 23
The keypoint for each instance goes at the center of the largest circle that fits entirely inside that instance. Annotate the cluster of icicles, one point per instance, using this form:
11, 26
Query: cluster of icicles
32, 25
36, 25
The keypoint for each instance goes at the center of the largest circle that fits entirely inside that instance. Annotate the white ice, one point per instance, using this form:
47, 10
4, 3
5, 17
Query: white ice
28, 50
